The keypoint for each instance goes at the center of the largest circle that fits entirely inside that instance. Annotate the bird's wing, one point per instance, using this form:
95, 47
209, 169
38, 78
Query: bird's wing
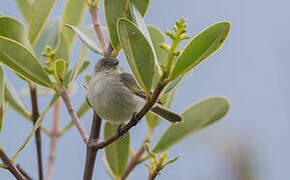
129, 81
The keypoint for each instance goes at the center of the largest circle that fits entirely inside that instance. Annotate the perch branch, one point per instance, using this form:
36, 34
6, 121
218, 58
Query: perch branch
91, 154
67, 102
35, 115
23, 172
11, 167
134, 161
153, 175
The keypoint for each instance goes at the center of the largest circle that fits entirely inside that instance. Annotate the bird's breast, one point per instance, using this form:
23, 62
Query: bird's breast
110, 99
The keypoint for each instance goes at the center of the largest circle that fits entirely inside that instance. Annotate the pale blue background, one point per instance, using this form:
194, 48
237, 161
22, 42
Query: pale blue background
251, 70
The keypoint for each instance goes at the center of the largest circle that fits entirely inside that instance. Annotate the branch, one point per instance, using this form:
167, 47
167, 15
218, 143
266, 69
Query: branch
134, 161
67, 101
23, 172
91, 154
153, 175
11, 167
96, 22
35, 115
53, 139
160, 86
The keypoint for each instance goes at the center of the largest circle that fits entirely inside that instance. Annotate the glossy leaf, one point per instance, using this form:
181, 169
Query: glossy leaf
196, 117
89, 37
39, 15
138, 52
73, 14
36, 126
117, 153
118, 9
14, 100
25, 8
84, 66
49, 36
62, 47
59, 68
161, 55
173, 84
13, 29
158, 38
200, 47
19, 59
2, 85
139, 22
137, 18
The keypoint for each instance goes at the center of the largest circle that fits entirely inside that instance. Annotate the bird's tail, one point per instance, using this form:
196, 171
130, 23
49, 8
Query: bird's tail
167, 114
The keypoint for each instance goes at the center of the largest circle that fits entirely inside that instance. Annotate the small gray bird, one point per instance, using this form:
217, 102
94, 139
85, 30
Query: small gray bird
115, 95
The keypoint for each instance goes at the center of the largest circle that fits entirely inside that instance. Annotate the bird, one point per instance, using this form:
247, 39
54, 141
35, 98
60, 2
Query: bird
116, 97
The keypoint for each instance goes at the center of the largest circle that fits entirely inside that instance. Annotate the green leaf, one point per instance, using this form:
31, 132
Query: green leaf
161, 54
2, 85
13, 29
84, 66
117, 153
196, 117
138, 52
36, 126
20, 59
62, 47
158, 38
73, 14
118, 9
200, 47
39, 15
142, 5
88, 36
59, 68
25, 8
137, 18
14, 100
139, 22
49, 36
173, 84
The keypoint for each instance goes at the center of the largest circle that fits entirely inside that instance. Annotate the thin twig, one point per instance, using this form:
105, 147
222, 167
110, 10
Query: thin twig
11, 167
153, 175
109, 50
23, 172
134, 161
160, 86
91, 154
95, 19
35, 115
53, 139
67, 101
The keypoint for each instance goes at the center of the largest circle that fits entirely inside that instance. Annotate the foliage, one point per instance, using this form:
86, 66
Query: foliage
39, 55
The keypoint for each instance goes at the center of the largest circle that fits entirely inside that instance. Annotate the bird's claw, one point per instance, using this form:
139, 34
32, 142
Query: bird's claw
134, 118
119, 131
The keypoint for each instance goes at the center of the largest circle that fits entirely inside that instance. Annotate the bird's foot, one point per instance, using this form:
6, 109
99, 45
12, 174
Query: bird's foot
134, 118
119, 131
